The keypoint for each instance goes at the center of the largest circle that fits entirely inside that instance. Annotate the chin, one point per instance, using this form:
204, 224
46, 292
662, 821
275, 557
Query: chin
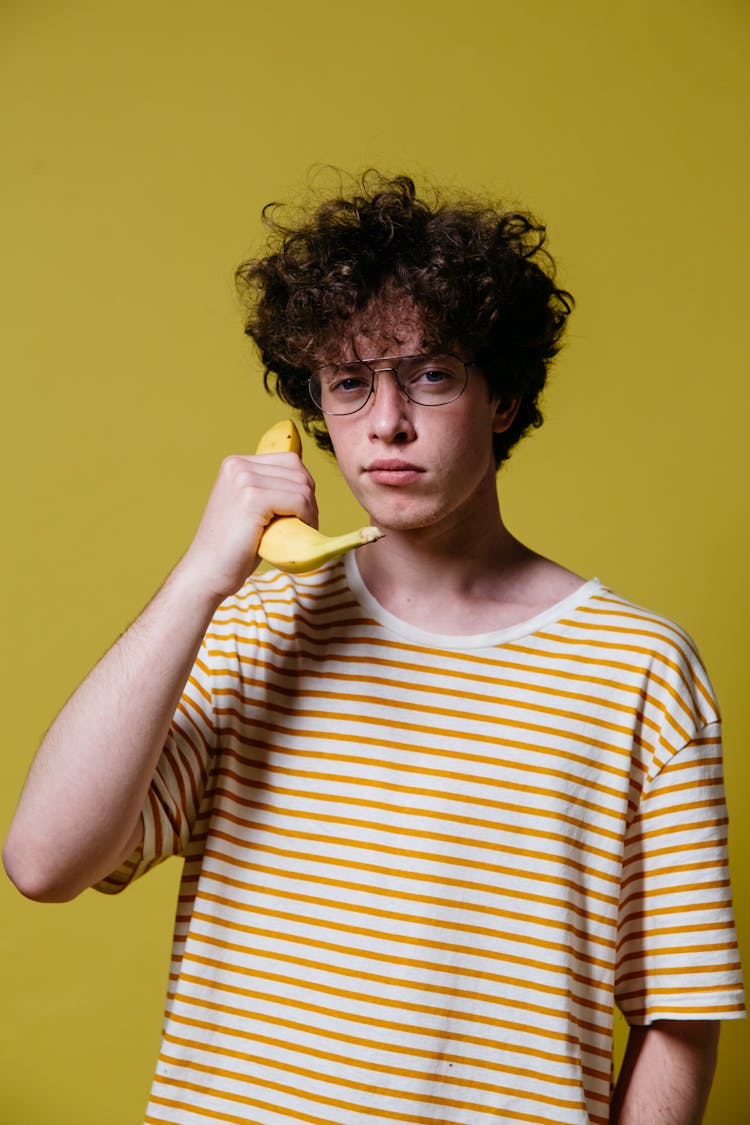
405, 518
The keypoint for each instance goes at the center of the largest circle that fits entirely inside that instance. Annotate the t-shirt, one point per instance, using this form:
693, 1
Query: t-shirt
420, 870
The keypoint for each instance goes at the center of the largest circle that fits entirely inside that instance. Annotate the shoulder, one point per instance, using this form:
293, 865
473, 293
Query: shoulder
666, 652
610, 612
273, 598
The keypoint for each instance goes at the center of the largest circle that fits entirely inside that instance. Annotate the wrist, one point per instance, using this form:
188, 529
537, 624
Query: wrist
197, 589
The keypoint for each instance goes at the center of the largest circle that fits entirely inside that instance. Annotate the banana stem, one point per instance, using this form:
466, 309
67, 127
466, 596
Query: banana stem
338, 543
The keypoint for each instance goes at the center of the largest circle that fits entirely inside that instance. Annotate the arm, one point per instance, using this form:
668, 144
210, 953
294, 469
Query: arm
79, 813
666, 1074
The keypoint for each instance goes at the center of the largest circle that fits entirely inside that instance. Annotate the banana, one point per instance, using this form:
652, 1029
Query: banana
287, 543
293, 546
281, 438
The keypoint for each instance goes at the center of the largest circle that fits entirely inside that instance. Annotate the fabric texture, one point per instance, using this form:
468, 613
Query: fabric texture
420, 870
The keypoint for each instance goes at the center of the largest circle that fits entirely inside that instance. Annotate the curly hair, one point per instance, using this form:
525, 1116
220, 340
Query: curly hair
477, 275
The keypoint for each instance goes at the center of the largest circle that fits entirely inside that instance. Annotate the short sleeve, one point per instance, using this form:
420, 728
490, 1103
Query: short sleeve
176, 790
677, 949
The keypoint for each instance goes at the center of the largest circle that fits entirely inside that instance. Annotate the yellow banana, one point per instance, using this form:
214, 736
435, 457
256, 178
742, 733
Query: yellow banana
281, 438
288, 544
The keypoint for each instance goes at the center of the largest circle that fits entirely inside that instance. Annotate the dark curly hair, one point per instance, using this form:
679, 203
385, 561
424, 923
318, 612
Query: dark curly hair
478, 276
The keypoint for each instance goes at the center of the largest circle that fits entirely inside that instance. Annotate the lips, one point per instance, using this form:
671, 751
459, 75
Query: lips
389, 465
393, 471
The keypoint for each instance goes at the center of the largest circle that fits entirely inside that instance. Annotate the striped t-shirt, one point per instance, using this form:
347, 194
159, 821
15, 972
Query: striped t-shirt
421, 869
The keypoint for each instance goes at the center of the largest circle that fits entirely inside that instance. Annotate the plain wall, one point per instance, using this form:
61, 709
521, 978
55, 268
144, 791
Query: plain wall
139, 144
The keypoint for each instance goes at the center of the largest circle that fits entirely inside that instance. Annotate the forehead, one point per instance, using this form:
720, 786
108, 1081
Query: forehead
383, 328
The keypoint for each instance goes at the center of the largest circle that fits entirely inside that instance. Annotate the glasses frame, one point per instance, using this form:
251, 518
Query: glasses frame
378, 366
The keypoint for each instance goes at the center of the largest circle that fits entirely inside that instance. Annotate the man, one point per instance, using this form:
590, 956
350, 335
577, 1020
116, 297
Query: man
441, 803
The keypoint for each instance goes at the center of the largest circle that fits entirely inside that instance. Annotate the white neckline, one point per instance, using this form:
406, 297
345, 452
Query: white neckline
417, 635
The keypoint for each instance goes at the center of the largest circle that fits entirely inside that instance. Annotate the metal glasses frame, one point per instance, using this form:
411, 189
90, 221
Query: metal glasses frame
376, 367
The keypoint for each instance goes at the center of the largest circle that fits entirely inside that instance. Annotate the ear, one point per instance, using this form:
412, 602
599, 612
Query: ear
504, 415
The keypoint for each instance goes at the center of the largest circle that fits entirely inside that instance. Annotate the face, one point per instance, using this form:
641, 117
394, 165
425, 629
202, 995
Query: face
410, 466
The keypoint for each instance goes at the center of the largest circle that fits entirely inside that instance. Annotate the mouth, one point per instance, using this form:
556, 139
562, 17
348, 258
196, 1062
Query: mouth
393, 471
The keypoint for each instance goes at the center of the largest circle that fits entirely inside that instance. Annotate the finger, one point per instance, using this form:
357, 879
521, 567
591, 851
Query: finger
296, 500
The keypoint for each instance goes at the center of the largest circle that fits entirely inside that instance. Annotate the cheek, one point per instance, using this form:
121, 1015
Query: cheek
339, 446
470, 473
470, 450
343, 451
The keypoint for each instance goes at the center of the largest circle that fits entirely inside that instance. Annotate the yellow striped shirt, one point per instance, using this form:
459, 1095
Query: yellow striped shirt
420, 870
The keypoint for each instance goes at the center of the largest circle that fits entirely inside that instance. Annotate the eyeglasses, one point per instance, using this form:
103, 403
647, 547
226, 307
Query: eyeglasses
428, 380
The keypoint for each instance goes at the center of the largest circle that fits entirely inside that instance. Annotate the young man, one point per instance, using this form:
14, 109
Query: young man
441, 803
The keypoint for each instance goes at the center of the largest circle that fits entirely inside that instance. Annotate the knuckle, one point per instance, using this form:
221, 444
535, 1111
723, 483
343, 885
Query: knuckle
237, 472
307, 493
230, 465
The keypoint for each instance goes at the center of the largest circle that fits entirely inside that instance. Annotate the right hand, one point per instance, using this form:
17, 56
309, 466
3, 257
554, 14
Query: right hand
249, 491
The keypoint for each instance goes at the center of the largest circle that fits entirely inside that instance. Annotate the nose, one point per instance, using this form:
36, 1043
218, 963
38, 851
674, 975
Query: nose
389, 412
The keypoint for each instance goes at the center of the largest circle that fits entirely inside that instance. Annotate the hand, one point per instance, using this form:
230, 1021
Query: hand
248, 493
79, 814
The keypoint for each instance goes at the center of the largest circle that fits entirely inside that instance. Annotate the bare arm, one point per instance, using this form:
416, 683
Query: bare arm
79, 813
666, 1074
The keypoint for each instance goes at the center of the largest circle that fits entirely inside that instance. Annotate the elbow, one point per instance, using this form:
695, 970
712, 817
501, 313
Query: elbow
35, 880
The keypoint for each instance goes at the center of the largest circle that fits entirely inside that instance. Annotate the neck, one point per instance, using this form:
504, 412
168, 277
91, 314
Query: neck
462, 576
429, 558
446, 576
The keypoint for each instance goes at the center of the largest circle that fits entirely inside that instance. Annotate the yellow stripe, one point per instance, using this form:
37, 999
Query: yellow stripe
437, 733
409, 1119
494, 760
538, 943
399, 916
447, 795
648, 654
477, 822
385, 1025
409, 833
683, 970
511, 702
245, 1015
440, 1100
503, 955
393, 829
403, 873
513, 686
417, 668
261, 994
390, 893
437, 858
673, 637
693, 826
387, 979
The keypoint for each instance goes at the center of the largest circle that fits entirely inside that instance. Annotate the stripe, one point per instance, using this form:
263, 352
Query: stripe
416, 878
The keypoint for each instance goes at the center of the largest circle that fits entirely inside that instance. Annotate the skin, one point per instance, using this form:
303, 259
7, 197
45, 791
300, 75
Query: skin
79, 813
666, 1074
426, 476
447, 563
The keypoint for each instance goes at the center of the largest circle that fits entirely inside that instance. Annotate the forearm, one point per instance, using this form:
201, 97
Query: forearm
666, 1074
79, 812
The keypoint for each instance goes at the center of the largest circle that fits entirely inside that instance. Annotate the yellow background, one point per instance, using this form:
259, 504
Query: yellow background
139, 143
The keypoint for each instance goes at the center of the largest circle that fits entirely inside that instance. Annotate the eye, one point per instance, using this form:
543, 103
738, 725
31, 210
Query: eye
344, 384
434, 375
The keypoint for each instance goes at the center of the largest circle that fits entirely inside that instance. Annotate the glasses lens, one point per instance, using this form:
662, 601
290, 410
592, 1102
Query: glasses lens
433, 380
341, 388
